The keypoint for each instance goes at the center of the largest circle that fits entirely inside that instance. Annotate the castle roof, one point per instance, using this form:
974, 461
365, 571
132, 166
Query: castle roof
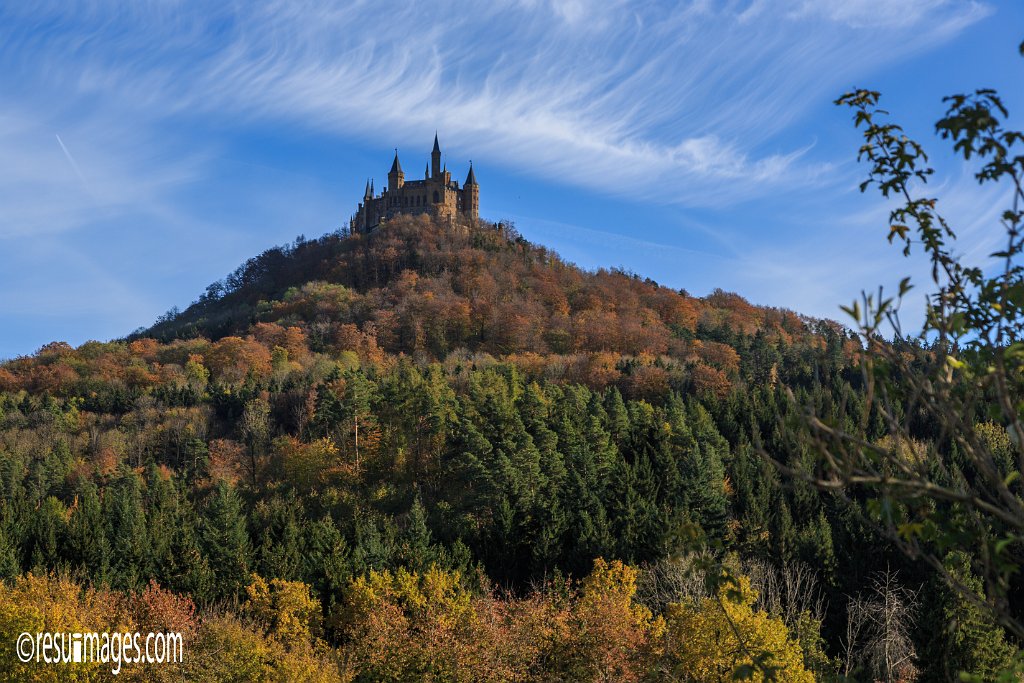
471, 178
437, 147
395, 166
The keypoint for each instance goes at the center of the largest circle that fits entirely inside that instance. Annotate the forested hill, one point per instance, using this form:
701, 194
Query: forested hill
429, 290
442, 453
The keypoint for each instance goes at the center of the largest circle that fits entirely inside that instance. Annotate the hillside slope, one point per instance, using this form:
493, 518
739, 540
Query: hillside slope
431, 396
428, 290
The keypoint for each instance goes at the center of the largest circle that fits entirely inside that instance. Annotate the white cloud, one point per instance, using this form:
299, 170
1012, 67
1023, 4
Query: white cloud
616, 96
886, 13
698, 104
58, 172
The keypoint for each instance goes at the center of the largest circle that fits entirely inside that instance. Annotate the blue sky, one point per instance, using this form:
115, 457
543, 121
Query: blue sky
148, 148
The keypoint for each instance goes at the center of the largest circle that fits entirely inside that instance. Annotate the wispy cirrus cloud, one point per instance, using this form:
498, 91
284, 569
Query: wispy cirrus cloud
693, 106
679, 102
58, 172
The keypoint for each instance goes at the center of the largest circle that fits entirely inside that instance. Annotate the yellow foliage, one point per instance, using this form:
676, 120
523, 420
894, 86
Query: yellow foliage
286, 610
229, 651
308, 464
36, 604
700, 641
404, 626
612, 632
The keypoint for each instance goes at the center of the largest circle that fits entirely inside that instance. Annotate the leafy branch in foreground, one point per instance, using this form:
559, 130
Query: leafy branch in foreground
938, 451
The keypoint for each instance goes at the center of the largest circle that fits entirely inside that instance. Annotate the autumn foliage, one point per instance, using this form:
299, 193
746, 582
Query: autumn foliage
428, 453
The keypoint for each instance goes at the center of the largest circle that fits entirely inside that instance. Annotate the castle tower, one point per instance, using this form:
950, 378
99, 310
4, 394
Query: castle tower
367, 199
435, 159
471, 195
395, 176
437, 194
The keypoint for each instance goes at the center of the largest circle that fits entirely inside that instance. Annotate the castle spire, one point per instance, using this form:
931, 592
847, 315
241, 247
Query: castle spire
435, 158
471, 178
395, 176
367, 194
426, 172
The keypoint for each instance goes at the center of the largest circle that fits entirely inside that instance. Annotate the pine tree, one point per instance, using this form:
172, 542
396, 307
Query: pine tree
701, 459
373, 549
86, 544
226, 543
161, 504
618, 416
416, 537
131, 557
278, 539
9, 565
968, 642
325, 559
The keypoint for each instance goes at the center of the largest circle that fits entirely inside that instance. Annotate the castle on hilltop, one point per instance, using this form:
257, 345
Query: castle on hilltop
437, 194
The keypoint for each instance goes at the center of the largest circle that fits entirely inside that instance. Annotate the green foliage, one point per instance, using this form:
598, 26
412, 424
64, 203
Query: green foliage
378, 405
226, 542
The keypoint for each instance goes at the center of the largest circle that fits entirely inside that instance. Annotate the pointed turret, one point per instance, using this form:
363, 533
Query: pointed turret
368, 194
426, 172
471, 195
395, 176
435, 158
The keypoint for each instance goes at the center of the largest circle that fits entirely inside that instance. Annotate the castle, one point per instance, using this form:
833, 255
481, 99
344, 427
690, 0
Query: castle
437, 194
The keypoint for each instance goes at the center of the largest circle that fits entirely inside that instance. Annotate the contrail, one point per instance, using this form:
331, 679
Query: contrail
71, 160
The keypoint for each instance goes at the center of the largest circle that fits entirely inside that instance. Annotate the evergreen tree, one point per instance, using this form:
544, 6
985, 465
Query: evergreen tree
130, 550
87, 547
416, 538
966, 640
276, 530
226, 543
325, 560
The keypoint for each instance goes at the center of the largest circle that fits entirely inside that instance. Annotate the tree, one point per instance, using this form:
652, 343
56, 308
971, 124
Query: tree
723, 638
255, 428
127, 530
611, 630
969, 642
285, 609
226, 542
879, 629
86, 543
416, 545
938, 482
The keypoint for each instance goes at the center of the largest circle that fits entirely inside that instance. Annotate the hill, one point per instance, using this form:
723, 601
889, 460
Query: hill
369, 434
435, 293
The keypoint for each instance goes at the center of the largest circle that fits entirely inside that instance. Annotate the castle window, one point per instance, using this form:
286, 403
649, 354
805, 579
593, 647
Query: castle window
436, 197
